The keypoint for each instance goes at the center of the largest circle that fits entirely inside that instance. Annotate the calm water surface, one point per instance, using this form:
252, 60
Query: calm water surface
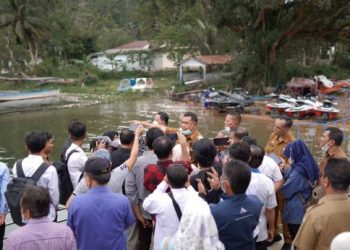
103, 117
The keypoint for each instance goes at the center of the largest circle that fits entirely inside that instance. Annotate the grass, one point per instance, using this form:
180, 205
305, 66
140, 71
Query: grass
107, 88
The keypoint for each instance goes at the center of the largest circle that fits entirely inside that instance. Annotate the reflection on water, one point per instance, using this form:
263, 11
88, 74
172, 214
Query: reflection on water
104, 117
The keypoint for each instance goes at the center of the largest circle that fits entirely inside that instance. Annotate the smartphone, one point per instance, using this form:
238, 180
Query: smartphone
275, 157
221, 141
172, 136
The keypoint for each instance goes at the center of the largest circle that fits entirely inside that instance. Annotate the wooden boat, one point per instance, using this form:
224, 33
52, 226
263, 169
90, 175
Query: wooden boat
37, 94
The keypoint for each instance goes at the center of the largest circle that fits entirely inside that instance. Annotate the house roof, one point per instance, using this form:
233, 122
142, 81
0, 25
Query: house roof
132, 46
135, 45
211, 59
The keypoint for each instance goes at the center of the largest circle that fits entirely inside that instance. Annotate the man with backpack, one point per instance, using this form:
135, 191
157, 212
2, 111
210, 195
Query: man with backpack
34, 166
75, 156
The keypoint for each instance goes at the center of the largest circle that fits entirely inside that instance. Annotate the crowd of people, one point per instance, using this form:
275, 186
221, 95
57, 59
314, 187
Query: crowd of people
151, 186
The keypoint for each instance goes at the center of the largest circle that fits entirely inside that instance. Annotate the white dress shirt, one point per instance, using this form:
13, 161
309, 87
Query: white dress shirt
48, 180
264, 189
270, 168
75, 163
160, 204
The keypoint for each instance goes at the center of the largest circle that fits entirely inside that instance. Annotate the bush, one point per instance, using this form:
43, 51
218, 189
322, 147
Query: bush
90, 79
342, 60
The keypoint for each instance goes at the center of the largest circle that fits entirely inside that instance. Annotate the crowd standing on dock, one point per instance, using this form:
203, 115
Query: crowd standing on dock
151, 186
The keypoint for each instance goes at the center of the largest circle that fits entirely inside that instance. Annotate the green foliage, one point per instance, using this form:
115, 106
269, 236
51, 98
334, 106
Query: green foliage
90, 79
343, 60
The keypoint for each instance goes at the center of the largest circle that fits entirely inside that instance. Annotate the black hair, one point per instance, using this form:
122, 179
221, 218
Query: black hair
237, 116
36, 141
238, 175
240, 151
101, 179
77, 130
164, 117
111, 134
193, 116
126, 136
49, 136
338, 173
240, 132
204, 152
288, 121
151, 135
249, 140
335, 134
37, 199
177, 175
257, 154
162, 147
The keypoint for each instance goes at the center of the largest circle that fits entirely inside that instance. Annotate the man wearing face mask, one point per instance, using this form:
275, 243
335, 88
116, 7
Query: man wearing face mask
39, 232
188, 127
330, 143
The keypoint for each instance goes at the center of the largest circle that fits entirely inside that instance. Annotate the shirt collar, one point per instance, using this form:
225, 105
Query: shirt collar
99, 189
39, 220
233, 197
334, 197
255, 170
37, 157
178, 190
164, 163
285, 138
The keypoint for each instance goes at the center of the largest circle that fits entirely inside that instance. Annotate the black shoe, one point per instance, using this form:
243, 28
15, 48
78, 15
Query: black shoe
275, 239
286, 246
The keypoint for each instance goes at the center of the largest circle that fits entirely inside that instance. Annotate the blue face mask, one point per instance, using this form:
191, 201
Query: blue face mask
24, 221
186, 132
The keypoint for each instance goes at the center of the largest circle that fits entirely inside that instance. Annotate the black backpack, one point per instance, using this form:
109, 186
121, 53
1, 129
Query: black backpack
65, 185
17, 185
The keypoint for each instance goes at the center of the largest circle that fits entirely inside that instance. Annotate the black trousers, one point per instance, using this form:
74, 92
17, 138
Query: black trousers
145, 236
293, 229
261, 245
2, 234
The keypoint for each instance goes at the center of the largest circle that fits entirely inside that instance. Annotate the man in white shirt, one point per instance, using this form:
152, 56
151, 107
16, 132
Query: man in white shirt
263, 188
161, 204
35, 143
270, 168
76, 161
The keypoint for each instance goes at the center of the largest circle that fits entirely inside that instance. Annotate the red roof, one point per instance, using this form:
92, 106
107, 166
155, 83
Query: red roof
135, 45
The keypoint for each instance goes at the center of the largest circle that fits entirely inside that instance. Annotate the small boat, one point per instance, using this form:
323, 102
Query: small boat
283, 102
36, 94
124, 85
303, 107
222, 101
138, 84
327, 111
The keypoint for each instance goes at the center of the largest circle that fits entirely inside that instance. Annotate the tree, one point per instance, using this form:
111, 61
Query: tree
24, 19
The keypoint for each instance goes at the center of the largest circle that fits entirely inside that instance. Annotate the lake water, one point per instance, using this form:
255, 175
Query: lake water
103, 117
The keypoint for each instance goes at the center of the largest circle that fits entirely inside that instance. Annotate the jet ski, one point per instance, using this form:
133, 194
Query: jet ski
283, 102
327, 110
303, 107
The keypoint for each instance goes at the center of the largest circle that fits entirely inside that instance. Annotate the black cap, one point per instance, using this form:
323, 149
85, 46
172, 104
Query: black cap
97, 166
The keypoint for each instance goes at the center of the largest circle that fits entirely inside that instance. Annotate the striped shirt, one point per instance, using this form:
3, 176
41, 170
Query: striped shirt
41, 234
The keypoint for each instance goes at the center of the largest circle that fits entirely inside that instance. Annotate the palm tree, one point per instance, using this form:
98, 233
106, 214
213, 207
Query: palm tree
27, 26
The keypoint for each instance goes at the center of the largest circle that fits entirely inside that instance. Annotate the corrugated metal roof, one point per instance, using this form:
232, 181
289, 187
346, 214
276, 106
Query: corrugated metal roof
211, 59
